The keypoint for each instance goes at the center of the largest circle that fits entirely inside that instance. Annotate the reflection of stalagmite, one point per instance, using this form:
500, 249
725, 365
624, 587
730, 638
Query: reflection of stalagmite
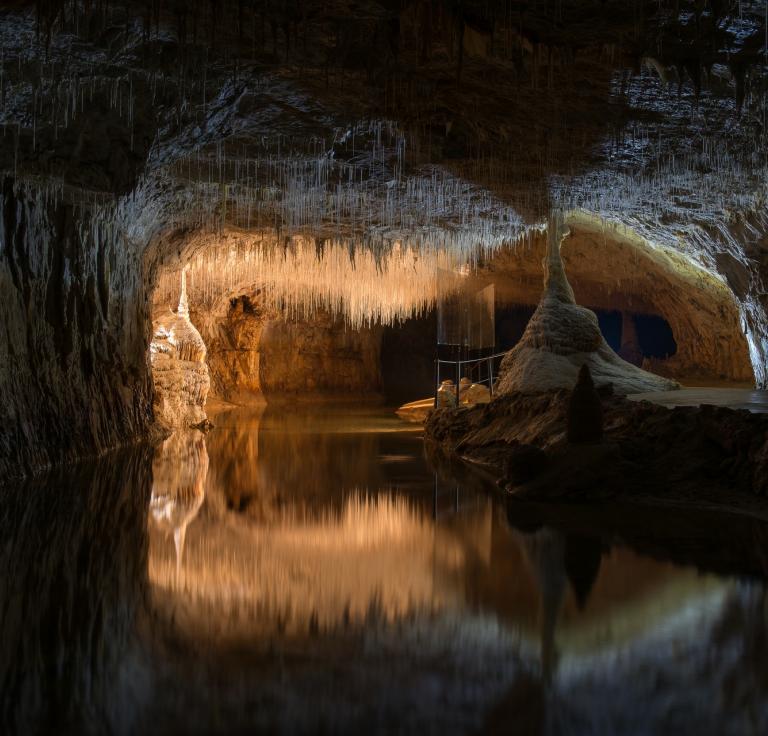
583, 556
179, 470
546, 555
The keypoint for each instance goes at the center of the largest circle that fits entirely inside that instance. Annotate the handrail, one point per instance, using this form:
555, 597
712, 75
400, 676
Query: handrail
458, 364
473, 360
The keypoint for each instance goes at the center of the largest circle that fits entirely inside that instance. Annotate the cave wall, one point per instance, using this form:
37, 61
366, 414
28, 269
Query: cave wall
252, 351
233, 343
74, 378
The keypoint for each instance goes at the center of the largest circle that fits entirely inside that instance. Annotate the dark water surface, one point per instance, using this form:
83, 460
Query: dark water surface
308, 571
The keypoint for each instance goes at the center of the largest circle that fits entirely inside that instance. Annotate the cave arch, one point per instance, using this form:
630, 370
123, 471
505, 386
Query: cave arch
256, 349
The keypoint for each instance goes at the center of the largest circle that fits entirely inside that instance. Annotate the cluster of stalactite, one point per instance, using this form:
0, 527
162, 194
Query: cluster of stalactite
351, 186
300, 277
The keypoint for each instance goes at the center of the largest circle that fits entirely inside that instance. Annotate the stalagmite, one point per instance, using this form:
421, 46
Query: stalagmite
562, 336
585, 412
179, 370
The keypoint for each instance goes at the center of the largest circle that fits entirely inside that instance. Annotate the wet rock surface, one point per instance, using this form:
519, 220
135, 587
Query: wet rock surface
710, 457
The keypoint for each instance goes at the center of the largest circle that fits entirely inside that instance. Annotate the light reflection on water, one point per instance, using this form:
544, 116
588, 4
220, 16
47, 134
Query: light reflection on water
306, 570
318, 520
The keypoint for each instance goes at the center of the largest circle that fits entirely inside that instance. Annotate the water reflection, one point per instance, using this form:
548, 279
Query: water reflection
73, 562
296, 571
307, 526
321, 521
179, 471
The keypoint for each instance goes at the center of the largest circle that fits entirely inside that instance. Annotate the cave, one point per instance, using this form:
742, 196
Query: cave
384, 367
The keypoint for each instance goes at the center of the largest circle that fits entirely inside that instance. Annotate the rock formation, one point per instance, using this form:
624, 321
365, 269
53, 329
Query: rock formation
562, 336
642, 278
179, 370
704, 457
254, 351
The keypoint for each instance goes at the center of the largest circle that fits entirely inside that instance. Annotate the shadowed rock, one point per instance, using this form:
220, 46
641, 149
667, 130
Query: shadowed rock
585, 411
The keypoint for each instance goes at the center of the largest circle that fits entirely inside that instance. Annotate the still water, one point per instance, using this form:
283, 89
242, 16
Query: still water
309, 570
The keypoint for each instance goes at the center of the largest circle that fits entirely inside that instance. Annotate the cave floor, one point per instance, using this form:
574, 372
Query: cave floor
306, 570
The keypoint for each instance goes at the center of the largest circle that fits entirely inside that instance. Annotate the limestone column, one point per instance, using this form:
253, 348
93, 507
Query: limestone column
555, 281
630, 344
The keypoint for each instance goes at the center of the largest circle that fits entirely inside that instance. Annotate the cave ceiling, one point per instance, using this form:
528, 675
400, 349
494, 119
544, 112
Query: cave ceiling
642, 108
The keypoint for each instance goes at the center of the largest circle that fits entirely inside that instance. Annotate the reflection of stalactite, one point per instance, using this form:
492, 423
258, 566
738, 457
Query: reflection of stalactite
376, 558
179, 469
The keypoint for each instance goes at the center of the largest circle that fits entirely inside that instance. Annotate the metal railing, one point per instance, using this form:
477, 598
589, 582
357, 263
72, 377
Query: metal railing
457, 365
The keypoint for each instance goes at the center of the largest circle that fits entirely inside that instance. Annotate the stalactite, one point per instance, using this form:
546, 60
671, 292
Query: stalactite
297, 276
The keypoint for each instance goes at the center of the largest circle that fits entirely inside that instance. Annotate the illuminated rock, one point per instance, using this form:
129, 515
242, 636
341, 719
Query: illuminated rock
253, 350
562, 336
475, 393
179, 369
446, 394
179, 471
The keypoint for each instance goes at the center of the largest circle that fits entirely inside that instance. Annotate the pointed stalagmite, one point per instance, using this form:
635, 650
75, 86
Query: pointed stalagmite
561, 337
179, 368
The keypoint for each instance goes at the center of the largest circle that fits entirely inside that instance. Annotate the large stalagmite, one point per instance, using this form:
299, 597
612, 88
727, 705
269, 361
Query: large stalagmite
562, 336
179, 370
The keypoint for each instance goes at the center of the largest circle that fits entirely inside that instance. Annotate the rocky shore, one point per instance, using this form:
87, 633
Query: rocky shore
705, 457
